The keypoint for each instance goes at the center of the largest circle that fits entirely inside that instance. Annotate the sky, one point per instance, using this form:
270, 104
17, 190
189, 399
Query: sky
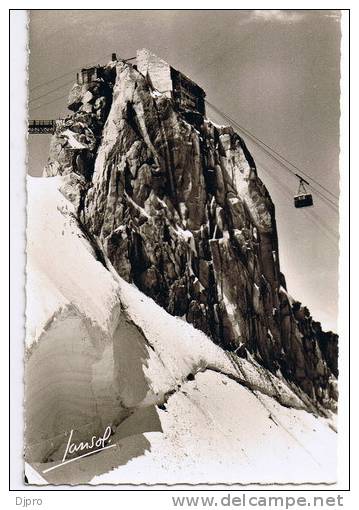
276, 73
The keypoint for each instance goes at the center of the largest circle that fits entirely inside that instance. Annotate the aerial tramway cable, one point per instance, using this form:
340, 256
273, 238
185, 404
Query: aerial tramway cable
330, 234
315, 218
49, 102
332, 204
40, 85
252, 135
60, 86
50, 91
276, 156
281, 163
265, 149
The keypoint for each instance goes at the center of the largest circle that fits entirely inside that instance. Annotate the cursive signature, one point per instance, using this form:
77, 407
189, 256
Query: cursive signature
96, 444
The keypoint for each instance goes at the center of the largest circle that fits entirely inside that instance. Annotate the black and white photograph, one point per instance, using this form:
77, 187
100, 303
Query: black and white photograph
182, 247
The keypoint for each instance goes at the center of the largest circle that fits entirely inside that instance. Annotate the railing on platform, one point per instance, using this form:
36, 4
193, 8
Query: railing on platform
40, 127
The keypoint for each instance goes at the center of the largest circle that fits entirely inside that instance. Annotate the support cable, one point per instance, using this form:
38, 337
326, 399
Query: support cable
266, 148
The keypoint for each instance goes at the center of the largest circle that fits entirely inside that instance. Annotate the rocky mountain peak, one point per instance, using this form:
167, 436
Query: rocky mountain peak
175, 203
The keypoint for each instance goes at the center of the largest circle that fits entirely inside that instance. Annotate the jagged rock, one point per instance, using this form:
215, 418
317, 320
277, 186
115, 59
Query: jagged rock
179, 209
180, 409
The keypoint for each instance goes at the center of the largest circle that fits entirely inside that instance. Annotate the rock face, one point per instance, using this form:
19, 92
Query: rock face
176, 205
103, 356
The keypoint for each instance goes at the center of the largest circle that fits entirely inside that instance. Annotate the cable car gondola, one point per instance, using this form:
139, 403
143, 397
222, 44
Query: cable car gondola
302, 198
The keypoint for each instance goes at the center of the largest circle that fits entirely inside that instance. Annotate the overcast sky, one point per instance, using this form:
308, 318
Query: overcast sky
275, 72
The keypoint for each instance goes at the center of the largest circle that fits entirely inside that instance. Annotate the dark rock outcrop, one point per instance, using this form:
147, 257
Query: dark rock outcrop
176, 204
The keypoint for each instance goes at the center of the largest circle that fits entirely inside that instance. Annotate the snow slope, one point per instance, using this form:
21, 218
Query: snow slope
99, 353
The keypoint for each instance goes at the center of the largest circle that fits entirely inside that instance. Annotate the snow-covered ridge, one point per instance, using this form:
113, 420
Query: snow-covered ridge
181, 409
58, 268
